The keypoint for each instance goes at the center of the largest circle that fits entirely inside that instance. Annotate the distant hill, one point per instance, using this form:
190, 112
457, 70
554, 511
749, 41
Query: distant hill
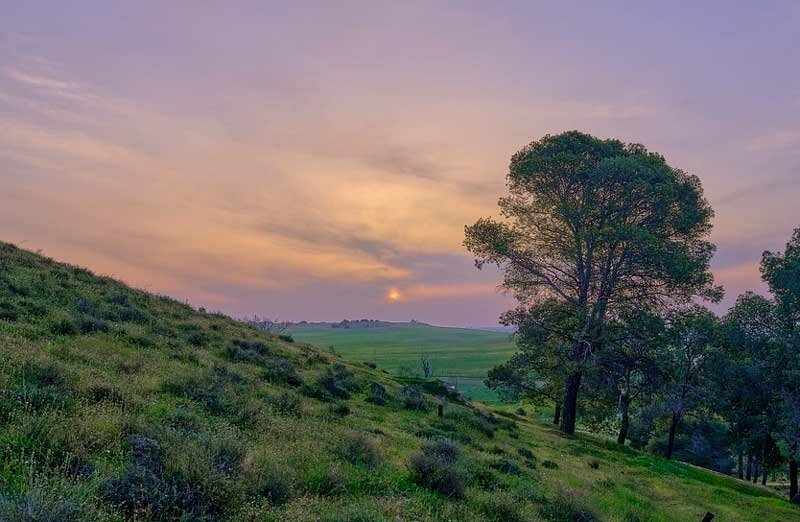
116, 404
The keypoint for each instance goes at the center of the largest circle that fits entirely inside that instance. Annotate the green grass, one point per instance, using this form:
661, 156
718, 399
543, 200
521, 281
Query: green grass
120, 405
460, 356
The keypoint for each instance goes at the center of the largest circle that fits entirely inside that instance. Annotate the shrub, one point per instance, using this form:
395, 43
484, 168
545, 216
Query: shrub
507, 467
432, 472
566, 508
445, 449
434, 468
521, 412
131, 366
257, 347
340, 409
286, 403
594, 464
237, 354
377, 394
198, 339
336, 383
273, 483
526, 453
64, 326
281, 371
357, 448
218, 389
549, 464
286, 338
499, 507
327, 483
412, 398
43, 386
87, 324
45, 505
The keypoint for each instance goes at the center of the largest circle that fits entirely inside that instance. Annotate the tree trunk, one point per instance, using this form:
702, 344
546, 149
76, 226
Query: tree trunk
673, 428
792, 479
624, 407
740, 468
570, 409
764, 477
748, 476
755, 472
557, 414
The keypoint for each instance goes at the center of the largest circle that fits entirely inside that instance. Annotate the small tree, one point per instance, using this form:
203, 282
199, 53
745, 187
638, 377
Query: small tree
691, 355
600, 227
632, 366
425, 363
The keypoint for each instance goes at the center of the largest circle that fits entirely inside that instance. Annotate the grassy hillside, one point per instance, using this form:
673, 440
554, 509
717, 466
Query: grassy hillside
120, 405
458, 355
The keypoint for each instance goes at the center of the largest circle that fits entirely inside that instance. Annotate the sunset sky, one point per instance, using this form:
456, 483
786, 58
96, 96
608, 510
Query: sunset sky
319, 161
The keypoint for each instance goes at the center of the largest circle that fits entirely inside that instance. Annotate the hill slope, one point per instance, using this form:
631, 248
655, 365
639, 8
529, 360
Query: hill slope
120, 405
459, 356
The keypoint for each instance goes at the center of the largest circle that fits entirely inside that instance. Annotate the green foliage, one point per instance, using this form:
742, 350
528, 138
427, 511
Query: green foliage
412, 398
142, 423
434, 468
358, 448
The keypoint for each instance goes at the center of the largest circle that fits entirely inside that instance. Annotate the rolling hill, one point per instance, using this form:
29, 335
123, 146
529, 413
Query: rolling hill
117, 404
458, 356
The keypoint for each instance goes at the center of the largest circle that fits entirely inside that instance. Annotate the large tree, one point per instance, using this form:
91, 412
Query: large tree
602, 227
781, 271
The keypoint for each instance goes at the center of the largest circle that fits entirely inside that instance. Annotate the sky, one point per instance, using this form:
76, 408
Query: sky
319, 160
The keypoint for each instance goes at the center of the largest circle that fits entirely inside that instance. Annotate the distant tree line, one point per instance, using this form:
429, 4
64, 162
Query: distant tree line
605, 246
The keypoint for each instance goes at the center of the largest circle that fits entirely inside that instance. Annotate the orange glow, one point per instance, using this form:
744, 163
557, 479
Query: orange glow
393, 295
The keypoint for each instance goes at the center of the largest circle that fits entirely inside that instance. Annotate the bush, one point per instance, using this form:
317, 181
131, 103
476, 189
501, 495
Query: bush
445, 449
64, 326
218, 389
198, 339
327, 483
500, 507
42, 387
45, 505
273, 483
377, 394
357, 448
526, 453
432, 472
565, 508
281, 371
549, 464
521, 412
286, 403
434, 468
87, 324
412, 398
336, 383
254, 352
507, 467
340, 409
286, 338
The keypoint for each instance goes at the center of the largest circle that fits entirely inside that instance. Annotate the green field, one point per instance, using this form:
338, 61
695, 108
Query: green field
459, 356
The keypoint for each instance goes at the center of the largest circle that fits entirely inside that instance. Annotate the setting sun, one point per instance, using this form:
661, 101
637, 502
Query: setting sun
393, 295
